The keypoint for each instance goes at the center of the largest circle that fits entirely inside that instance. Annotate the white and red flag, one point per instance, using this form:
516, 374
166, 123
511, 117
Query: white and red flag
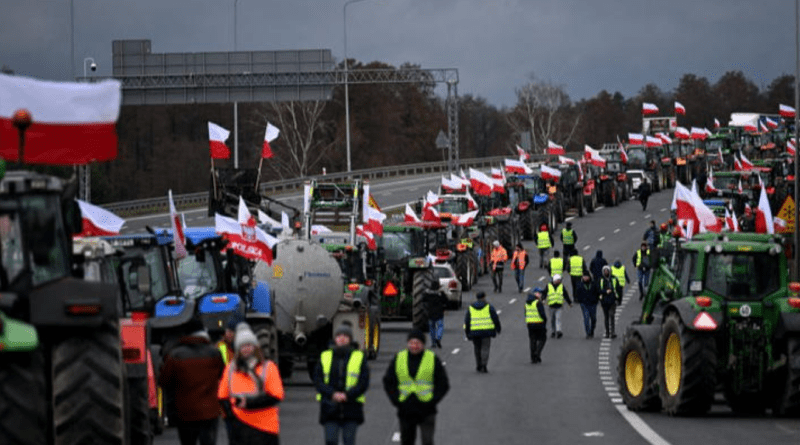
465, 219
374, 222
679, 108
265, 219
372, 244
497, 173
432, 199
247, 240
523, 155
429, 213
746, 164
648, 108
550, 173
98, 221
786, 111
698, 133
635, 139
716, 123
71, 123
750, 127
178, 238
730, 221
555, 149
737, 166
566, 160
450, 185
498, 185
651, 141
790, 147
664, 138
319, 229
771, 123
779, 224
471, 203
682, 133
740, 190
481, 183
689, 206
721, 158
763, 127
270, 135
216, 140
593, 156
518, 167
410, 216
764, 221
710, 185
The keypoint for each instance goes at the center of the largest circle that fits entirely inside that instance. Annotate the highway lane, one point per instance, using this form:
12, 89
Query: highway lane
570, 398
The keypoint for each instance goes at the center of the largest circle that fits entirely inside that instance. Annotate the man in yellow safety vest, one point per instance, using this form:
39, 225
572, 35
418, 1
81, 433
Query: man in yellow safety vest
544, 241
536, 321
568, 239
555, 295
481, 323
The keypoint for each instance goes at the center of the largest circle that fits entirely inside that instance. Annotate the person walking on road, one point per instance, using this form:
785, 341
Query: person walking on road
577, 267
644, 193
556, 294
481, 324
191, 371
519, 262
651, 236
641, 261
556, 264
544, 241
416, 382
610, 297
497, 261
435, 302
568, 240
586, 295
596, 266
249, 392
619, 272
536, 321
341, 378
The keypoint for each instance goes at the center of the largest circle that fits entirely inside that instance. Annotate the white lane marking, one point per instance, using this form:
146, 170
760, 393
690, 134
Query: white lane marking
647, 216
663, 209
601, 238
541, 278
569, 219
412, 189
456, 350
632, 223
600, 208
512, 301
586, 247
396, 436
593, 434
619, 400
386, 193
639, 425
616, 230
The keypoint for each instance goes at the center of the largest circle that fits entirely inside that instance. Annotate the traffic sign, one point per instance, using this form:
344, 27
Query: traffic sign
786, 213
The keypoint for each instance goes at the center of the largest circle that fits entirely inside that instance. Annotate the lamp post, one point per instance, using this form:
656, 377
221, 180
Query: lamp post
346, 92
796, 138
235, 103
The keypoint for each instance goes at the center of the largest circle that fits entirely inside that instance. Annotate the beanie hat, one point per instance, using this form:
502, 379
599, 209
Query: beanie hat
244, 335
556, 277
496, 243
416, 333
480, 295
617, 263
343, 329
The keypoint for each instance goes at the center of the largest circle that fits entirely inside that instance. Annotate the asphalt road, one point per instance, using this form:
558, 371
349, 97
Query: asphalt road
570, 398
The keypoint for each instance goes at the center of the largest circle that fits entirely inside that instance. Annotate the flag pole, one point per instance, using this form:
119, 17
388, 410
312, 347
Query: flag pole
258, 175
214, 179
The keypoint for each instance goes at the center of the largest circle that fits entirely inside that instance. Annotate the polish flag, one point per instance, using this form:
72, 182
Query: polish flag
374, 221
740, 190
518, 167
465, 219
682, 133
593, 156
651, 141
790, 147
721, 158
270, 135
664, 138
285, 222
716, 123
710, 185
481, 183
764, 221
635, 139
679, 108
737, 166
555, 149
179, 239
265, 219
746, 164
497, 173
763, 127
698, 133
648, 108
771, 123
694, 186
450, 185
432, 199
498, 185
751, 127
410, 216
368, 236
247, 240
98, 221
731, 222
461, 180
550, 173
786, 111
471, 203
779, 224
71, 123
523, 156
216, 139
566, 160
690, 207
623, 155
429, 213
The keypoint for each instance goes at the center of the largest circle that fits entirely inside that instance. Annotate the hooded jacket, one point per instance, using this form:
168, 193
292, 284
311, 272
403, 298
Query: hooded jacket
480, 304
596, 266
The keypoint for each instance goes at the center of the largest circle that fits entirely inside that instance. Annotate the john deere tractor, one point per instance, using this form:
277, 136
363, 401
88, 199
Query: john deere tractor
723, 319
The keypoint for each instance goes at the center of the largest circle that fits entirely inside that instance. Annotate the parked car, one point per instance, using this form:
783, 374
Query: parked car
448, 283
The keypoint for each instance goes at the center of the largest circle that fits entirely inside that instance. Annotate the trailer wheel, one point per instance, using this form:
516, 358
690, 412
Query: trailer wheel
685, 369
787, 396
419, 316
23, 408
636, 376
267, 334
88, 388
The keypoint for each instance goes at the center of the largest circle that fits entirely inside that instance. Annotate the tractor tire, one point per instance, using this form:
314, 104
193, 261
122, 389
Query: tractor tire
506, 236
473, 264
141, 432
88, 388
686, 364
419, 315
580, 204
526, 224
464, 269
636, 376
787, 396
23, 403
286, 367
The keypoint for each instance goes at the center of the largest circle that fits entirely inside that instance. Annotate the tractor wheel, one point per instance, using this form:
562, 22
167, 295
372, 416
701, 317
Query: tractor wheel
474, 267
614, 195
267, 334
464, 269
141, 432
685, 369
506, 233
88, 388
286, 367
526, 225
419, 316
579, 203
787, 396
636, 376
23, 406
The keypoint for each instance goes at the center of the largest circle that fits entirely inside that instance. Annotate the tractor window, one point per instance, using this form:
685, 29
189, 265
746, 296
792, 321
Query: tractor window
45, 237
11, 245
197, 278
454, 206
396, 245
742, 276
685, 270
158, 278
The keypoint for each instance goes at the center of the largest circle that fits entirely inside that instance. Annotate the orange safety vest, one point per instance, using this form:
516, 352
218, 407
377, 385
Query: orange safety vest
235, 383
499, 255
520, 255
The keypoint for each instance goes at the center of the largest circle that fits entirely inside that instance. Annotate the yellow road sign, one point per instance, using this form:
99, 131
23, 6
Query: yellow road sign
786, 213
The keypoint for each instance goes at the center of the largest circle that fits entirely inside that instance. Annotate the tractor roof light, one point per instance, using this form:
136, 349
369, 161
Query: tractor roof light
704, 322
219, 299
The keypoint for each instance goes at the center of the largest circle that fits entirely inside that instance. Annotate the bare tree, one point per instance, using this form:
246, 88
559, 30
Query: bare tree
544, 108
303, 140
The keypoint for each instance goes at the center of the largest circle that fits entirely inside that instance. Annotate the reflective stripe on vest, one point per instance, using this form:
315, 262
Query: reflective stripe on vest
422, 383
223, 349
532, 314
613, 287
556, 265
619, 273
555, 295
576, 266
353, 370
569, 239
264, 419
480, 319
543, 240
639, 256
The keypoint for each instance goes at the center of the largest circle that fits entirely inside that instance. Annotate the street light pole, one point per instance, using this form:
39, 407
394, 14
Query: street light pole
346, 92
235, 103
796, 137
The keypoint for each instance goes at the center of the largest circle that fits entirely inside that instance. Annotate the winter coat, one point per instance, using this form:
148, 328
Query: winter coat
606, 284
351, 410
596, 266
586, 293
482, 334
412, 408
435, 302
191, 371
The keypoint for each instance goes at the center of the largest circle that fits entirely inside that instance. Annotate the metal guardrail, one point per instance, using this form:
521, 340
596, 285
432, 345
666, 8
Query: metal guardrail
150, 206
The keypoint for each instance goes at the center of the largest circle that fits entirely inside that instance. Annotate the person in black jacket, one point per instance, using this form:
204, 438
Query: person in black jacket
536, 321
481, 323
435, 301
596, 266
341, 395
644, 192
416, 382
586, 296
610, 297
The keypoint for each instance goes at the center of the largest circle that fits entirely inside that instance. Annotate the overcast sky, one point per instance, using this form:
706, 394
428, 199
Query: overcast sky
585, 45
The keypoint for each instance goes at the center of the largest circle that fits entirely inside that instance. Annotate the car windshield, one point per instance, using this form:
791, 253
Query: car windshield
442, 272
197, 278
742, 276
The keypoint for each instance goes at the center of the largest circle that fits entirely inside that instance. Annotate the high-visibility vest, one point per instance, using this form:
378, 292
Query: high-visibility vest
619, 273
353, 370
639, 256
543, 240
422, 383
223, 349
576, 266
613, 287
556, 265
480, 319
532, 314
519, 259
238, 384
499, 255
555, 295
663, 239
568, 236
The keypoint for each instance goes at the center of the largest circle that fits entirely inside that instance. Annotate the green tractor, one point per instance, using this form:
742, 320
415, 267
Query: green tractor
723, 319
